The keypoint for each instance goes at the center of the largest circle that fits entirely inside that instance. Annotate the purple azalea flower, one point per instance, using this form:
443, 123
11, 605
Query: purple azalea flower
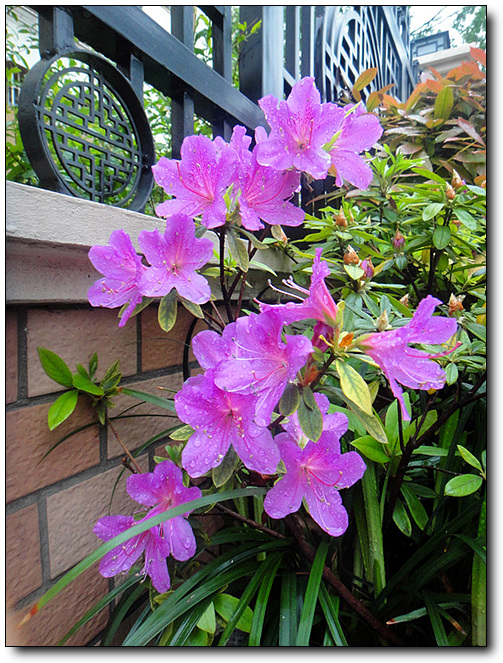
316, 472
260, 362
300, 127
161, 490
122, 269
174, 258
222, 419
408, 366
318, 305
122, 558
359, 131
198, 180
264, 192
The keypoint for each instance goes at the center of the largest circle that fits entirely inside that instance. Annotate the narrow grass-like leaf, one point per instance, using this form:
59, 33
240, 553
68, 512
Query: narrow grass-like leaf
332, 616
262, 599
212, 578
311, 597
86, 563
479, 590
436, 621
120, 613
288, 610
374, 528
185, 629
150, 398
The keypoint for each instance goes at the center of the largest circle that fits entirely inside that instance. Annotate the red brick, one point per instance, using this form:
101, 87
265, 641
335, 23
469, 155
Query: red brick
22, 553
74, 335
72, 514
28, 439
161, 349
55, 619
10, 356
135, 431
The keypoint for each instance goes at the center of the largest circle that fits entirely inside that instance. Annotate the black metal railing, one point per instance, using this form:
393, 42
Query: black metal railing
332, 43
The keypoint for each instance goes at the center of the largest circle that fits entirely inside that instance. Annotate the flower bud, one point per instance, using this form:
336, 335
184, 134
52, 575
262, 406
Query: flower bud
340, 219
350, 256
367, 267
449, 191
279, 234
456, 181
382, 322
405, 300
398, 240
455, 304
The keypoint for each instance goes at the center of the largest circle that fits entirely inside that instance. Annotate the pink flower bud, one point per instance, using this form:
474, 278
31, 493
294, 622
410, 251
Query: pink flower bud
398, 240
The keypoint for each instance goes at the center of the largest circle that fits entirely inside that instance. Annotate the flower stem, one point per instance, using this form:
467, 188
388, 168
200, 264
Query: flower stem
117, 437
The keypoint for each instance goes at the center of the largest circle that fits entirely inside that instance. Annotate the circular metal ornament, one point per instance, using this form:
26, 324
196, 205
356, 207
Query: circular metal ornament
85, 131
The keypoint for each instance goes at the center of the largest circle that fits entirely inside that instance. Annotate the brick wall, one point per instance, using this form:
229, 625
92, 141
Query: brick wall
54, 501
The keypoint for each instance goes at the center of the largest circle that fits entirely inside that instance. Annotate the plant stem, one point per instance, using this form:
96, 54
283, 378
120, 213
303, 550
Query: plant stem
249, 521
138, 470
223, 286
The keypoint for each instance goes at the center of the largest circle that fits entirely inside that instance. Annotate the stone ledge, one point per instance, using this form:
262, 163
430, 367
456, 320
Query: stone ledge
48, 236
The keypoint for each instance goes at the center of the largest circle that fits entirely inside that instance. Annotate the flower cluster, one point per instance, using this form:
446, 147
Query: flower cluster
159, 491
222, 183
233, 402
174, 257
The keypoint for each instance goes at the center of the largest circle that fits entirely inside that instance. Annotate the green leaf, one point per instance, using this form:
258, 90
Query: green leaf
182, 433
371, 423
432, 210
331, 614
259, 613
207, 621
62, 408
469, 458
371, 448
311, 596
195, 309
238, 251
451, 373
444, 103
288, 610
84, 384
55, 367
466, 218
310, 419
226, 605
223, 472
401, 519
167, 312
93, 365
429, 175
289, 401
463, 485
354, 272
416, 509
150, 398
441, 237
354, 386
